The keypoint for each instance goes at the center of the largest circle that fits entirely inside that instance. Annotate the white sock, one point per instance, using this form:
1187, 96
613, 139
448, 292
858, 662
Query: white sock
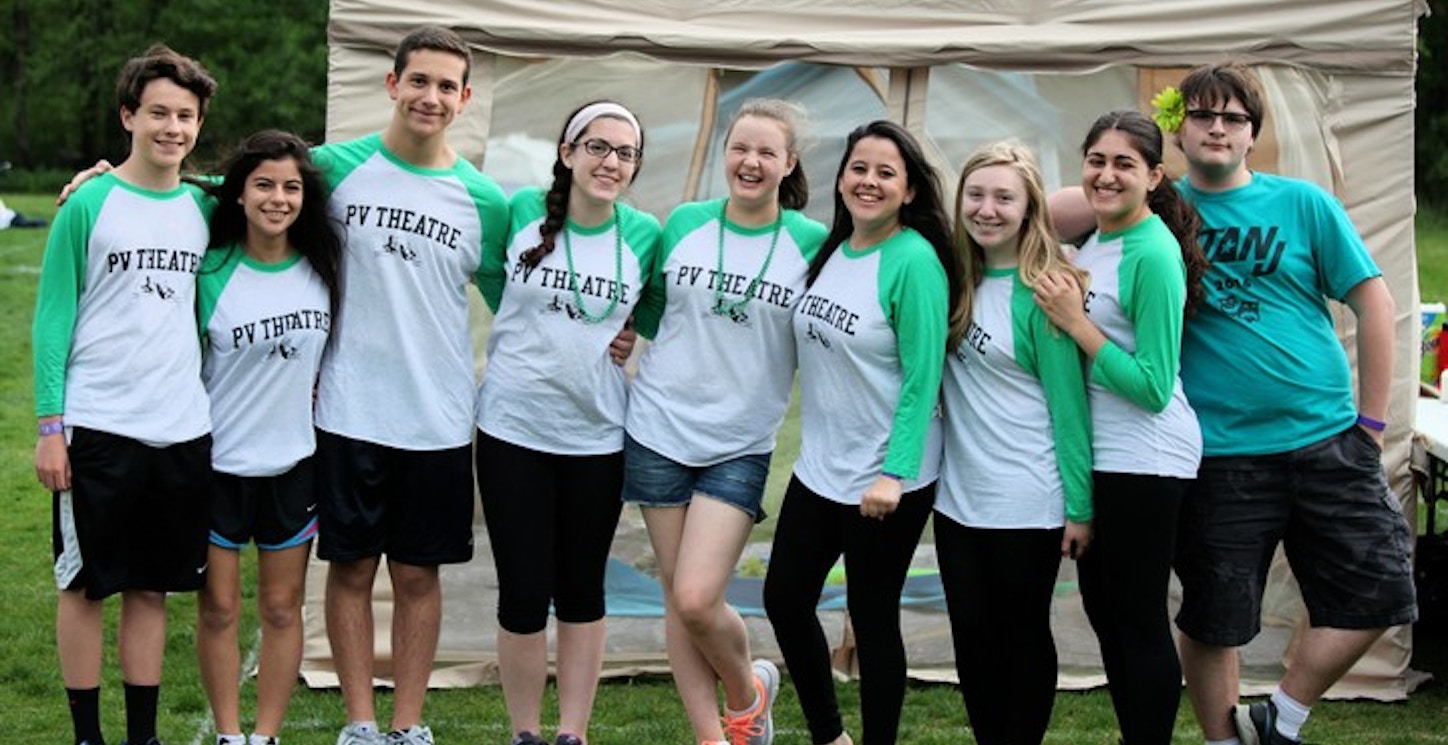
1291, 714
259, 739
225, 739
748, 709
364, 726
1228, 741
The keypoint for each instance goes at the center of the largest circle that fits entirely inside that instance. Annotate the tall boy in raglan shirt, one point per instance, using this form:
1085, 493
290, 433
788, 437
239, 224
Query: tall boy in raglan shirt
395, 398
124, 431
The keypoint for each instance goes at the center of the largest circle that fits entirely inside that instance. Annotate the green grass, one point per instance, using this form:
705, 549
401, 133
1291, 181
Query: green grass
629, 711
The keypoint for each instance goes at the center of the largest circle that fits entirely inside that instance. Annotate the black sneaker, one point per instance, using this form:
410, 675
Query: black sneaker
568, 740
1257, 724
528, 738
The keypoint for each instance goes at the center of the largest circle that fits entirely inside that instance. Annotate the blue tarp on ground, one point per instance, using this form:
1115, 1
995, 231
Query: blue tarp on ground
633, 594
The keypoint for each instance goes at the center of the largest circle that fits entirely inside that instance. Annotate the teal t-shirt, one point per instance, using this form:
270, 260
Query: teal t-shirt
1261, 361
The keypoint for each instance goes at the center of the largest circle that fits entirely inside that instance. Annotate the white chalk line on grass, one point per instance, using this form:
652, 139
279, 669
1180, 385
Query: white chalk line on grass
203, 722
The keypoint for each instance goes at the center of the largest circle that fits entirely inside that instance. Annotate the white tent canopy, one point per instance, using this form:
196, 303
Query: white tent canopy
959, 73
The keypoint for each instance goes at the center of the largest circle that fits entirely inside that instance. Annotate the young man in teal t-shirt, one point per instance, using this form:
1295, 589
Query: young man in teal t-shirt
1289, 455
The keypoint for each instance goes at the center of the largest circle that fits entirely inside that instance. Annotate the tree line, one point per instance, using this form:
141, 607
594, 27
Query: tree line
58, 66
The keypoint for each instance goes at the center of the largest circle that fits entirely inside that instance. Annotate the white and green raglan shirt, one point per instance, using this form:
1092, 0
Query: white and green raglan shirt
1140, 419
715, 382
400, 371
1262, 363
264, 327
551, 385
1017, 427
871, 334
114, 335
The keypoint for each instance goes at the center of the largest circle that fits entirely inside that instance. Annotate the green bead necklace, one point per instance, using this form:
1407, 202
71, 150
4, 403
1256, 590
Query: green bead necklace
726, 308
617, 273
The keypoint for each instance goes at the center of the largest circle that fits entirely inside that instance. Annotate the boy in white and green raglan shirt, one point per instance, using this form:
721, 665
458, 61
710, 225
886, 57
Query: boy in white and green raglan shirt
123, 423
395, 397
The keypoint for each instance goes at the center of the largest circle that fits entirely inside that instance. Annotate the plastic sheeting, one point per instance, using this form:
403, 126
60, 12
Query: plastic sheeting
1339, 79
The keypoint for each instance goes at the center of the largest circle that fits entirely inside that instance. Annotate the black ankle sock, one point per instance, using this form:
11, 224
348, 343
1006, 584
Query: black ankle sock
141, 713
85, 714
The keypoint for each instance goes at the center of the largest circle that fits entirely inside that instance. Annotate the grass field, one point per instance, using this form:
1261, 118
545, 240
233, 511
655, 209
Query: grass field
633, 711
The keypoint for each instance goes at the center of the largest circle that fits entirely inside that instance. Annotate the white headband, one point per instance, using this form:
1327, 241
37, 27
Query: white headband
587, 114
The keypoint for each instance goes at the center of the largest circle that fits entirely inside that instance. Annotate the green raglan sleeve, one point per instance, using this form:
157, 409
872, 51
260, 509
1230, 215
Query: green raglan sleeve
915, 296
808, 234
642, 234
493, 215
649, 311
492, 274
1056, 361
217, 266
1153, 295
62, 279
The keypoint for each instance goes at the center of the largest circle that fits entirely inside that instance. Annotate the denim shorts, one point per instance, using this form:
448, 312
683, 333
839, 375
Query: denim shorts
654, 480
1342, 528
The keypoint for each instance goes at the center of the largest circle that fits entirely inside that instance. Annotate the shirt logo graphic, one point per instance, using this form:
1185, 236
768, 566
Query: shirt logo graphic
394, 247
157, 288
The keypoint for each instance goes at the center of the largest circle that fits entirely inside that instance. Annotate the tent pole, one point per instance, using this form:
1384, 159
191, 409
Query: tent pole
701, 141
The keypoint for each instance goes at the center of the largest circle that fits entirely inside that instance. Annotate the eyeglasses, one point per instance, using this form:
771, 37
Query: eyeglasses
1208, 117
600, 149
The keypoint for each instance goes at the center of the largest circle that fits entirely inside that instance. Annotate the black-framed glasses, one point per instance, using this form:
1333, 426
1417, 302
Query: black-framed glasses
601, 148
1208, 117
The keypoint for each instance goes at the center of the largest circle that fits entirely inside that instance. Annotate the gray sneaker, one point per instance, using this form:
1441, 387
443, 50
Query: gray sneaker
354, 735
757, 727
1257, 724
417, 734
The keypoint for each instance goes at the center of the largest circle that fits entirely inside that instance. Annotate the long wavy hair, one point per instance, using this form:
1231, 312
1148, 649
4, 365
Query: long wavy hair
1037, 249
555, 202
1165, 201
925, 213
314, 235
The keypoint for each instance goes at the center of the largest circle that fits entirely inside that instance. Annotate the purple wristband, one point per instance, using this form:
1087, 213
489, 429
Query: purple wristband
50, 428
1373, 424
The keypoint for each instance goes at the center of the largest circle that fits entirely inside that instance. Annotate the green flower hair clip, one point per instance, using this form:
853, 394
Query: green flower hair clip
1171, 109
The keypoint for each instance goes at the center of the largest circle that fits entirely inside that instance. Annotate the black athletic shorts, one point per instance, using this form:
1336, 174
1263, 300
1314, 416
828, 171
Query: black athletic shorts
416, 506
275, 511
136, 517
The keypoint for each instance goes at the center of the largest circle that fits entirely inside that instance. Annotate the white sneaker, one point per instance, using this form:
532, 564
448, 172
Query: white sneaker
756, 727
354, 735
417, 734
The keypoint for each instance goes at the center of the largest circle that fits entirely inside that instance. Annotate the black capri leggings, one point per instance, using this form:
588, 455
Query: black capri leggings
1124, 579
812, 533
551, 520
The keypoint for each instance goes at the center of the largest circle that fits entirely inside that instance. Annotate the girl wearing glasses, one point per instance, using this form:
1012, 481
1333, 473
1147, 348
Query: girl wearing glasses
1146, 270
871, 332
550, 413
718, 310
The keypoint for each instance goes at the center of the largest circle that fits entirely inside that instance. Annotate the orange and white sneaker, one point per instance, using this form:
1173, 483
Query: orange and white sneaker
756, 726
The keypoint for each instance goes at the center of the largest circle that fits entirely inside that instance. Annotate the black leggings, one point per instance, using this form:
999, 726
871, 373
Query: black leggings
998, 588
551, 520
812, 533
1124, 579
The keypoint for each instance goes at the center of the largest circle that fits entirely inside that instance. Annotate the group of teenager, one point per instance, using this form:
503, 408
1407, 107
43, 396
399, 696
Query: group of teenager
1127, 405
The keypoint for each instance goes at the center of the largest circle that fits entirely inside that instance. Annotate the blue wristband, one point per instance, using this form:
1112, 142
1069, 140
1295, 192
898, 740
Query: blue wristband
1371, 423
